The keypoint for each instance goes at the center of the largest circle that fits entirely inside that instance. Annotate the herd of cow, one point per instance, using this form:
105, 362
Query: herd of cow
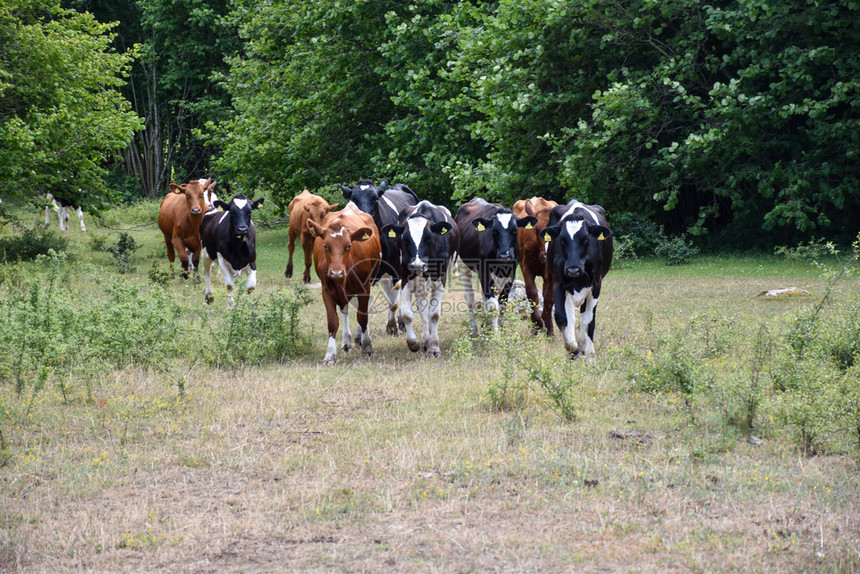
388, 235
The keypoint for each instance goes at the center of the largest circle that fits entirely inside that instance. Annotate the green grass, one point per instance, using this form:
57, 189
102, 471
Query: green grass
399, 462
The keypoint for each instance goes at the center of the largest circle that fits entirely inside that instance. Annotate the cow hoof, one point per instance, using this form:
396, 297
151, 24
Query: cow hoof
250, 290
288, 273
209, 299
400, 324
306, 279
368, 350
413, 345
392, 329
329, 361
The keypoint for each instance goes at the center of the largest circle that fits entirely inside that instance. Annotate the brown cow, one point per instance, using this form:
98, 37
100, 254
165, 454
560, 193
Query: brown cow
179, 219
532, 251
305, 206
346, 258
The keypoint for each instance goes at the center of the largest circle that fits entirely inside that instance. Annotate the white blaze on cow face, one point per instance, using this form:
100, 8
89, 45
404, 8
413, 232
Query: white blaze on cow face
240, 203
505, 219
416, 233
576, 205
573, 227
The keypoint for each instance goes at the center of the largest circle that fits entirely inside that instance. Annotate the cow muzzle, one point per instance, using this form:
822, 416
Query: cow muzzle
417, 267
573, 271
196, 211
542, 258
336, 273
506, 255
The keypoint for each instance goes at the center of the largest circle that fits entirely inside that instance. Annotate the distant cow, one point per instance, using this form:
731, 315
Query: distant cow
532, 254
179, 219
488, 246
305, 206
61, 203
346, 258
579, 254
426, 238
384, 204
229, 237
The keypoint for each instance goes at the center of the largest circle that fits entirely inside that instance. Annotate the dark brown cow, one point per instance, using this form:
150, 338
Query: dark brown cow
179, 219
305, 206
346, 257
532, 252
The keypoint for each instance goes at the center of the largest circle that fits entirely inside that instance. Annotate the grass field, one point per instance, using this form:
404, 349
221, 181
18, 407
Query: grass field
465, 463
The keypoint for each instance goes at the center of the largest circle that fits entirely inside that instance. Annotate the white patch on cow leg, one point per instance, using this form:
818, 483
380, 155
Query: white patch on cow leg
64, 218
330, 352
437, 292
492, 306
393, 298
206, 264
47, 215
227, 274
584, 341
81, 219
347, 332
569, 332
408, 315
252, 279
424, 309
469, 295
366, 345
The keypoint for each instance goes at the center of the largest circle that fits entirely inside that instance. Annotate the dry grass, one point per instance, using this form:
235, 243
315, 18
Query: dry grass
396, 463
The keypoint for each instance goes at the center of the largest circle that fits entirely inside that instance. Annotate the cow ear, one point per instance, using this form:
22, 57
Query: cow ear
332, 206
174, 188
221, 204
362, 234
347, 192
316, 229
549, 233
383, 185
600, 232
258, 203
530, 209
212, 185
527, 222
482, 224
391, 231
441, 227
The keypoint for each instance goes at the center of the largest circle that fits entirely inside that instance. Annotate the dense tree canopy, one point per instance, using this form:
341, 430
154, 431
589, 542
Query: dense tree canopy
61, 111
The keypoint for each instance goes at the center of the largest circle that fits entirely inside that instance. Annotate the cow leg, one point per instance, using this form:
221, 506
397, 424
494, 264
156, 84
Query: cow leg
181, 251
251, 283
64, 218
358, 333
291, 246
392, 327
47, 215
408, 315
572, 302
206, 264
588, 316
347, 332
81, 219
469, 295
228, 275
308, 247
532, 295
548, 300
361, 319
331, 316
434, 311
424, 293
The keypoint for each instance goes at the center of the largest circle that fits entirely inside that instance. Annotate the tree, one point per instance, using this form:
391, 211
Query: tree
61, 112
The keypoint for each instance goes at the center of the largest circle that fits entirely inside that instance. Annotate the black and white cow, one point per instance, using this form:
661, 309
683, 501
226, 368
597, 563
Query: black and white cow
61, 203
488, 246
579, 254
426, 238
384, 204
230, 238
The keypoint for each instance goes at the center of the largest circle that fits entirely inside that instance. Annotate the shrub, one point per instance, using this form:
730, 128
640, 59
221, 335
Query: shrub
641, 236
27, 244
122, 252
675, 250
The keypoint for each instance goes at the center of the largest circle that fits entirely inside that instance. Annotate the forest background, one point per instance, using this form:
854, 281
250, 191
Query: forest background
718, 119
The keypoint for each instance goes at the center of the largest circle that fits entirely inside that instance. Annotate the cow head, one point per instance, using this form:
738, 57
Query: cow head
503, 226
337, 243
541, 215
420, 241
365, 195
317, 210
193, 191
209, 192
574, 243
240, 208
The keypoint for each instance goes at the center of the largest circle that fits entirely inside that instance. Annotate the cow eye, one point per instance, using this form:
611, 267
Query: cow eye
348, 247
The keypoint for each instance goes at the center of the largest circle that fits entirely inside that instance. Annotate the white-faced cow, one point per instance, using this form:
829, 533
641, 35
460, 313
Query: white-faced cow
229, 237
179, 219
532, 254
304, 206
209, 193
579, 254
426, 239
346, 258
61, 202
488, 246
384, 204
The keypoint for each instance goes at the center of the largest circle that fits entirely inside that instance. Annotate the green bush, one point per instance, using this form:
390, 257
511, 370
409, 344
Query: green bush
640, 235
27, 244
675, 250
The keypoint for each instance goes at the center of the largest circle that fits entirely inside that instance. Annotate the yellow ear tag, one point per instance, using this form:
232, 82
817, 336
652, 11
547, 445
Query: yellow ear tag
391, 233
366, 236
444, 231
480, 227
529, 226
601, 238
547, 237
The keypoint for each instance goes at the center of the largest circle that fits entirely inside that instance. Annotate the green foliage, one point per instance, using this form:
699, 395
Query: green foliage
60, 110
675, 250
28, 244
122, 252
257, 332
